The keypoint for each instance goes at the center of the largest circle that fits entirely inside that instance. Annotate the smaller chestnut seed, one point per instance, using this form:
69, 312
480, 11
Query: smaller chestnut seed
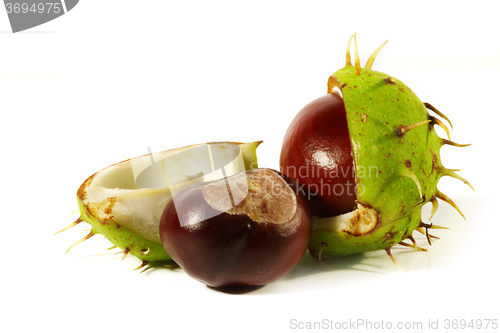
245, 230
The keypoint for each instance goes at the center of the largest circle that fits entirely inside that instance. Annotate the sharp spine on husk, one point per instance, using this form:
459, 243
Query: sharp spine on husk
348, 53
406, 172
451, 143
451, 173
357, 63
143, 264
403, 129
125, 252
370, 61
78, 220
439, 113
435, 205
436, 121
388, 251
416, 248
444, 197
90, 234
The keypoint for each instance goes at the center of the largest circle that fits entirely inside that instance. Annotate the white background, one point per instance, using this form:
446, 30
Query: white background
112, 78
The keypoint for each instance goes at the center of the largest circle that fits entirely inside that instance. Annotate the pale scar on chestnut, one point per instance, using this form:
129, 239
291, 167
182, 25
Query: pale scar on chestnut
263, 196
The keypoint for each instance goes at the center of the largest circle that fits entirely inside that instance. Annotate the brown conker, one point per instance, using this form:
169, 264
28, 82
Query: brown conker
245, 230
317, 154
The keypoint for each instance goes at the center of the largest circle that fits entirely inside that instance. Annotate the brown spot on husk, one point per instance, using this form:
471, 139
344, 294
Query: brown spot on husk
390, 80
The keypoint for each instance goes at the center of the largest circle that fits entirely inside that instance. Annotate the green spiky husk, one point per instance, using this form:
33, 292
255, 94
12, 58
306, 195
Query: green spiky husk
100, 212
123, 238
377, 105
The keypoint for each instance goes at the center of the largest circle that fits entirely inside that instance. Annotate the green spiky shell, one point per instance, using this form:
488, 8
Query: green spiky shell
388, 163
123, 238
109, 209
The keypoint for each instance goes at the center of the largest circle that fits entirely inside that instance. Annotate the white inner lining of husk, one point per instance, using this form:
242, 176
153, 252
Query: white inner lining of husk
114, 193
358, 222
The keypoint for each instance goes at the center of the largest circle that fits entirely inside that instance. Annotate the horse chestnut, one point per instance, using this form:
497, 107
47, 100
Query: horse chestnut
317, 154
368, 155
245, 230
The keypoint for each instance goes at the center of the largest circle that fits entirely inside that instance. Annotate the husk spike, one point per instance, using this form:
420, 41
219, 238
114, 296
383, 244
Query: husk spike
90, 234
439, 113
410, 237
406, 172
323, 245
143, 264
370, 61
435, 205
78, 220
451, 143
423, 225
403, 129
348, 53
357, 63
425, 233
433, 226
451, 173
436, 121
444, 197
125, 252
416, 248
388, 251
